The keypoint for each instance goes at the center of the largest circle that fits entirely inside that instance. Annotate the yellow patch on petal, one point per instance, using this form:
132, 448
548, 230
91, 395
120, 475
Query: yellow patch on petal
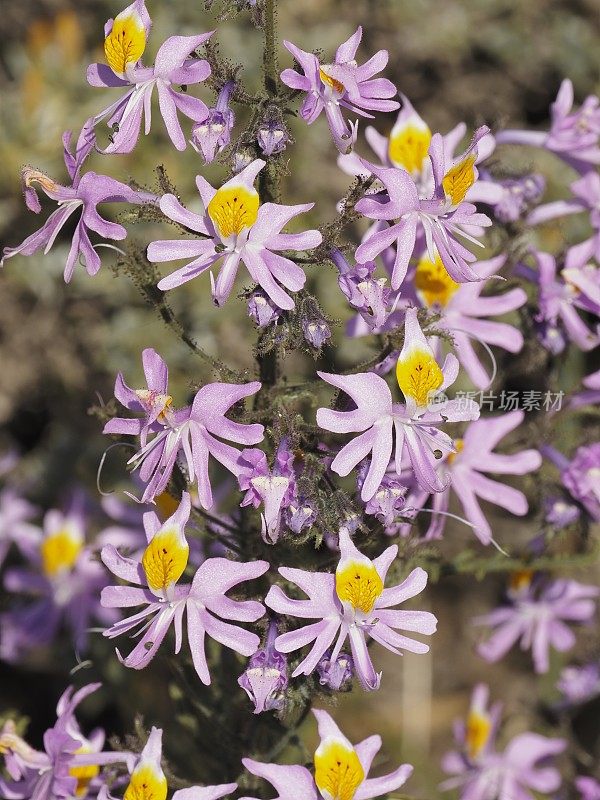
460, 445
165, 559
520, 580
419, 375
409, 144
359, 584
433, 282
334, 84
126, 42
232, 209
459, 179
338, 771
478, 731
31, 176
60, 551
147, 783
84, 774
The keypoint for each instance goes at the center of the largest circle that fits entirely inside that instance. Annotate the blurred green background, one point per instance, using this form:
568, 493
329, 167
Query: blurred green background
493, 61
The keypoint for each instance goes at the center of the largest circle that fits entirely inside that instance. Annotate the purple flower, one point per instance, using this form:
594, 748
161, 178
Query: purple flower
586, 191
559, 513
82, 196
272, 137
341, 769
300, 514
560, 297
588, 788
518, 195
370, 296
580, 684
376, 417
442, 213
316, 331
124, 45
164, 600
213, 134
336, 674
235, 227
573, 136
461, 309
352, 603
536, 617
474, 456
262, 310
591, 397
265, 678
192, 429
388, 500
15, 527
483, 773
581, 475
342, 84
147, 779
65, 580
274, 488
69, 765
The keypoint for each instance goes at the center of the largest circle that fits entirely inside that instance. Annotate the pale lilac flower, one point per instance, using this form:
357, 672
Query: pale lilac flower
124, 45
559, 298
442, 213
463, 310
147, 779
235, 227
406, 149
68, 766
64, 580
336, 674
573, 135
193, 429
410, 426
580, 684
164, 600
475, 456
581, 475
536, 619
213, 134
274, 488
341, 769
481, 772
265, 678
352, 604
15, 525
586, 192
81, 198
341, 84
